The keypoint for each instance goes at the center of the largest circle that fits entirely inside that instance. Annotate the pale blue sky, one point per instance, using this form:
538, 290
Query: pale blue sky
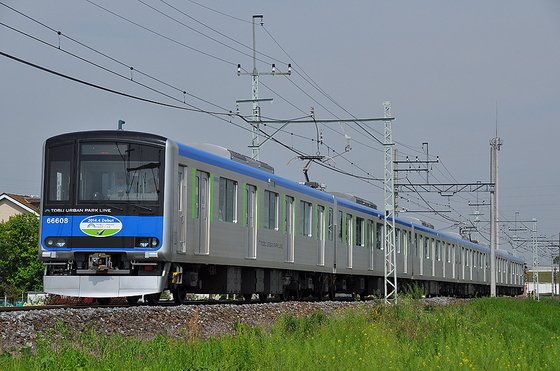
443, 65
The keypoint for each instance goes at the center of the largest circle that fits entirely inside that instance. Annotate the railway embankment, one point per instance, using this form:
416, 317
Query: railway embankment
146, 322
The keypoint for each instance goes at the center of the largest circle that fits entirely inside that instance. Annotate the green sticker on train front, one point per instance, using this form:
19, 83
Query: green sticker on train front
100, 225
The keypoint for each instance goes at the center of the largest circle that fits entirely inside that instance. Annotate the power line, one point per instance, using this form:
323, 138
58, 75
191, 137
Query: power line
160, 34
110, 90
60, 34
118, 74
217, 11
122, 76
194, 30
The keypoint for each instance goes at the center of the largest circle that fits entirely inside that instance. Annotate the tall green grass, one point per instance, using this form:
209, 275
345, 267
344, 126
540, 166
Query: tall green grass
482, 334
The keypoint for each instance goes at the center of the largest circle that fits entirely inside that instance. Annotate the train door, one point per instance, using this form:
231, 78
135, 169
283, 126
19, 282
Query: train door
320, 235
289, 222
201, 213
251, 220
182, 209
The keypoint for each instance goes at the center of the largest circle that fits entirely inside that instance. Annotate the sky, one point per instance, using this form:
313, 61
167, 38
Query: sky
455, 73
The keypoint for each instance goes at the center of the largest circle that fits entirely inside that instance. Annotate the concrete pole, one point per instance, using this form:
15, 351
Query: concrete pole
495, 144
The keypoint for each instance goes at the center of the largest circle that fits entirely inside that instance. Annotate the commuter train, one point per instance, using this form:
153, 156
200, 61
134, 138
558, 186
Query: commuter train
128, 214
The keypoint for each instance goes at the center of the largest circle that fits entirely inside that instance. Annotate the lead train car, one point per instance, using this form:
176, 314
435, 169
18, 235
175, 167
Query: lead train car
126, 214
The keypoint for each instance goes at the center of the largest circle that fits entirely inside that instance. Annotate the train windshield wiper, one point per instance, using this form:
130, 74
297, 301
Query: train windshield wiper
114, 206
142, 207
149, 165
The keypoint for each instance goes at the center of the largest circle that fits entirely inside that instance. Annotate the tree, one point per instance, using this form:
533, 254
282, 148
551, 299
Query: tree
20, 266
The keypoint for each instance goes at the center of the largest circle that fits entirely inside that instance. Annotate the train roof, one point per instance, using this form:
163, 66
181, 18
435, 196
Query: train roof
232, 155
104, 134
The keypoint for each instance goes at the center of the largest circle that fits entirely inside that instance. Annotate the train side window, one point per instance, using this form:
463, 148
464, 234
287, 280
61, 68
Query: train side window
228, 200
60, 165
349, 228
270, 210
398, 240
419, 244
404, 242
320, 221
360, 232
305, 216
427, 248
379, 236
438, 250
330, 222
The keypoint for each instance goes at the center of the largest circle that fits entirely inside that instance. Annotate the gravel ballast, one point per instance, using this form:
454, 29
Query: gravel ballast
146, 322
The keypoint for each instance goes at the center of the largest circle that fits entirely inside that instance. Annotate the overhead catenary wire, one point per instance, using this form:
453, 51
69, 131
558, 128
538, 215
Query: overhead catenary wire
161, 104
225, 113
122, 76
110, 90
162, 35
116, 73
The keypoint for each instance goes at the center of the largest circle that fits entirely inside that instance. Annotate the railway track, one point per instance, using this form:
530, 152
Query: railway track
165, 303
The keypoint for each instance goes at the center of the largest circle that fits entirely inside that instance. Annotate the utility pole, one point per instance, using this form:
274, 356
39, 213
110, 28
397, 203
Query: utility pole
495, 144
255, 94
396, 180
425, 148
389, 227
535, 261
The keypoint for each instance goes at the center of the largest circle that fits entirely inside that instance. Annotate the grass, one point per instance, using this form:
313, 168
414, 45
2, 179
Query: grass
481, 334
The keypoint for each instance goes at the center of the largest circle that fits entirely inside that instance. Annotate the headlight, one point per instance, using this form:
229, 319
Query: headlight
146, 242
55, 242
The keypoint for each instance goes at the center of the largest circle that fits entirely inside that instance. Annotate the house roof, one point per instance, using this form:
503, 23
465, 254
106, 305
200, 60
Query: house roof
29, 203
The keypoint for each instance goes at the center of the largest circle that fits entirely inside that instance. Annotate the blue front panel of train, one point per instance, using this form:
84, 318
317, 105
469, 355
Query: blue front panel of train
122, 225
102, 226
55, 226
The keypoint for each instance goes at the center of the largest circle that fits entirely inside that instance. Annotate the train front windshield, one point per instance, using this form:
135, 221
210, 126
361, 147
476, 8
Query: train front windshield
116, 172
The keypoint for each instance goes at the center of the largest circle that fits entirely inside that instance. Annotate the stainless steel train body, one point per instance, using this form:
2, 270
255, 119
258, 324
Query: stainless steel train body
190, 220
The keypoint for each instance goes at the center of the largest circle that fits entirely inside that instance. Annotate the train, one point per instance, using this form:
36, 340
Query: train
131, 214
